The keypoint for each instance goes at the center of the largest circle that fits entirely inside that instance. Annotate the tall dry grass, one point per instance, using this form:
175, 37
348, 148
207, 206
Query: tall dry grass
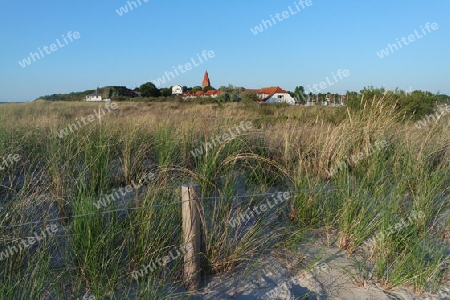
289, 149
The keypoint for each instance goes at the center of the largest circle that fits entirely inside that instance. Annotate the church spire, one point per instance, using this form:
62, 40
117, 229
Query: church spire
206, 81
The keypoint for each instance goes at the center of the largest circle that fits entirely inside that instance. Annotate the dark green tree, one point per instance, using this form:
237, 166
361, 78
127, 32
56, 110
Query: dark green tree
249, 97
299, 94
417, 104
196, 89
149, 90
166, 92
352, 100
208, 88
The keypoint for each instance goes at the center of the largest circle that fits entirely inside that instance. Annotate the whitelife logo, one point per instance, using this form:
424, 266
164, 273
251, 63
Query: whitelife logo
395, 228
124, 9
324, 85
168, 76
114, 196
162, 261
266, 24
411, 38
225, 136
285, 286
354, 159
27, 243
242, 218
433, 117
9, 161
48, 50
89, 119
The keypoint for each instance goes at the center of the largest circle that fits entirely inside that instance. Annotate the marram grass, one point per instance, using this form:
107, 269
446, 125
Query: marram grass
288, 149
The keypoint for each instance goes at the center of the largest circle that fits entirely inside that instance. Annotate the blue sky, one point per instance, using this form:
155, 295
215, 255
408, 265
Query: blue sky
143, 44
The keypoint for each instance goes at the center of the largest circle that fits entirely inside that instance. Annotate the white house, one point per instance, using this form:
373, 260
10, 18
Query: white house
93, 98
177, 90
96, 98
281, 97
275, 95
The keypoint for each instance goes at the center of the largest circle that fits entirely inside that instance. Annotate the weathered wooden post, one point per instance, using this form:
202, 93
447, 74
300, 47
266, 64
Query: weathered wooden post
191, 236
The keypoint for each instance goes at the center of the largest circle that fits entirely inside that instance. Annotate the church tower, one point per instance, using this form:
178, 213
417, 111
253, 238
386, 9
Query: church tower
206, 81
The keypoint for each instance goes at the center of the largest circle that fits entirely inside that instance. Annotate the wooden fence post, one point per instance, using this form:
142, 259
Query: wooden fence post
191, 236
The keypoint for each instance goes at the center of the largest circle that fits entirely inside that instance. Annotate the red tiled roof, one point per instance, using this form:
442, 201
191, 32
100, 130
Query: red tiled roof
213, 92
263, 93
267, 92
202, 93
271, 90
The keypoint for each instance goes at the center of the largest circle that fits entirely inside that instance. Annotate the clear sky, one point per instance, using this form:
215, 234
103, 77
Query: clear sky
309, 44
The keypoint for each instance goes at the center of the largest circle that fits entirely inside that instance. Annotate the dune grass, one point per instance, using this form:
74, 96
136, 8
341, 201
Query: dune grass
57, 180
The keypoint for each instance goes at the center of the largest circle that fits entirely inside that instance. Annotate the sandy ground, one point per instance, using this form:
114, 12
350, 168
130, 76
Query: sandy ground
312, 270
319, 272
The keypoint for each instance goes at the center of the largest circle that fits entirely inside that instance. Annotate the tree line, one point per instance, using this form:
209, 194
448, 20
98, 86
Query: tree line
416, 103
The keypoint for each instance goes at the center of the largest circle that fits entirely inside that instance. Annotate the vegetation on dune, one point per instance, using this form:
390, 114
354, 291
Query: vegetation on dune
411, 105
290, 148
